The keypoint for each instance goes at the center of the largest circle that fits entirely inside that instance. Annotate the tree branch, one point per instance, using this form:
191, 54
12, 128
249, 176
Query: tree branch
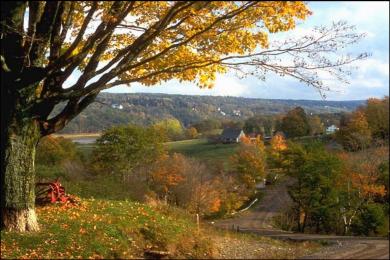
71, 110
44, 30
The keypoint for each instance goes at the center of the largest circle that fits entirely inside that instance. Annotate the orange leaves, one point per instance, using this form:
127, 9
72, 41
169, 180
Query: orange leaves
64, 225
215, 205
367, 186
278, 143
245, 139
168, 172
249, 161
361, 172
82, 231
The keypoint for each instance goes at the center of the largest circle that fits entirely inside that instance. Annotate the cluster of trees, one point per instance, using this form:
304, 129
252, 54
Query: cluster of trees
366, 125
137, 156
57, 157
341, 193
295, 123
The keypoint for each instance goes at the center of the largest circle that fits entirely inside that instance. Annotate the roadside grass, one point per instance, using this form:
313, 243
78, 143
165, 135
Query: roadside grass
106, 229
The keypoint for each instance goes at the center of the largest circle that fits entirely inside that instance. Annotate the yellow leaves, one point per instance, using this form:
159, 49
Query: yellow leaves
212, 35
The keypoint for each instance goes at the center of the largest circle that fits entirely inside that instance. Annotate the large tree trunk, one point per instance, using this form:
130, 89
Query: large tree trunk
18, 176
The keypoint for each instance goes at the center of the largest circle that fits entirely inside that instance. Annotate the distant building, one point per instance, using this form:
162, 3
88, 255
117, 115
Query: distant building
231, 135
117, 106
331, 129
236, 112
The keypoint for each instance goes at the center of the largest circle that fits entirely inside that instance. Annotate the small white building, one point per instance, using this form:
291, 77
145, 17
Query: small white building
331, 129
117, 106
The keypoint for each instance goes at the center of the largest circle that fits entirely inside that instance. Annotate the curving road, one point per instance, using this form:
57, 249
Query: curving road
259, 220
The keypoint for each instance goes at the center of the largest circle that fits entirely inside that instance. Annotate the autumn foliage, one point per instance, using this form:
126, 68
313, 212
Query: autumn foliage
366, 125
250, 161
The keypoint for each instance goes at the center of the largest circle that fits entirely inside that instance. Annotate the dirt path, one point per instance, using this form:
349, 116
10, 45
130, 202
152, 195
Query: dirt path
259, 217
258, 220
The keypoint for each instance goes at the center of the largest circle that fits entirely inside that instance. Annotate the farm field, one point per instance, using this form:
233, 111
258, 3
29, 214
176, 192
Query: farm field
196, 148
204, 151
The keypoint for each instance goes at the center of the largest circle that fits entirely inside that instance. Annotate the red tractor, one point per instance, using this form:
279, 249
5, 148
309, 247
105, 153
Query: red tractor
51, 192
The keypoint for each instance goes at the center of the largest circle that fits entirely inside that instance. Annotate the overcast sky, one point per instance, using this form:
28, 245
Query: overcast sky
370, 80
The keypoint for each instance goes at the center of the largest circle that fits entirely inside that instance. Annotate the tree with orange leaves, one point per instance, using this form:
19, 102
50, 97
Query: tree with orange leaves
250, 162
358, 183
166, 174
275, 151
355, 134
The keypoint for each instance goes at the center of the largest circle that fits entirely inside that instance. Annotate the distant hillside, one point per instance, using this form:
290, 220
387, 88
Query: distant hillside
143, 109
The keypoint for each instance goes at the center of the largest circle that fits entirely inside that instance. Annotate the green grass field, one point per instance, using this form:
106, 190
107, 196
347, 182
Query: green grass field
204, 151
195, 148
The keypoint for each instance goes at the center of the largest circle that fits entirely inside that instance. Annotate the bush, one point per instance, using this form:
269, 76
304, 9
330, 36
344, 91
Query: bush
370, 221
54, 150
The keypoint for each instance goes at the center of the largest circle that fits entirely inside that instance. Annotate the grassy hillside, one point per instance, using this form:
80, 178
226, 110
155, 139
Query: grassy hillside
106, 229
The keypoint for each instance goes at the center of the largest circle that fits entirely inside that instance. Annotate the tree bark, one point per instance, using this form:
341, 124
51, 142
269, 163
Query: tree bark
18, 176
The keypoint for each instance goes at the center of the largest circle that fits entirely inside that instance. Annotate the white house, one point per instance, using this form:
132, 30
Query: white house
331, 129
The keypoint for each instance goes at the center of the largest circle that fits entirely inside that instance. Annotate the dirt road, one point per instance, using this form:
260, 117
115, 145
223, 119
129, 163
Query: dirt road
259, 220
259, 217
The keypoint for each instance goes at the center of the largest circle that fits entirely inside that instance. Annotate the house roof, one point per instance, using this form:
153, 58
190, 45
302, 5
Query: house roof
230, 133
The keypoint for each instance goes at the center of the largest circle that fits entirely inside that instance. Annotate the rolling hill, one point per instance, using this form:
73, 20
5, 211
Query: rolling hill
143, 109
